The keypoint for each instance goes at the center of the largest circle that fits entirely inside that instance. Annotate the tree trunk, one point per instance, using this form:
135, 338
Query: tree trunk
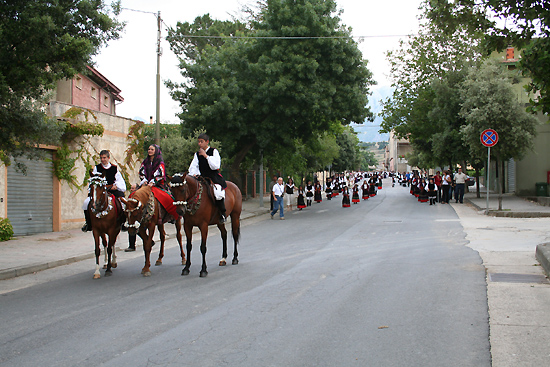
235, 166
499, 186
478, 194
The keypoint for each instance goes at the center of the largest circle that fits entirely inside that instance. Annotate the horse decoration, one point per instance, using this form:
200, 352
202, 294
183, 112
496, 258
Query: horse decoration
106, 217
195, 201
145, 209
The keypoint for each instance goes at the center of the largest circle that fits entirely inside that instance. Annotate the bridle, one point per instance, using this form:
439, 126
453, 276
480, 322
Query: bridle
107, 202
192, 207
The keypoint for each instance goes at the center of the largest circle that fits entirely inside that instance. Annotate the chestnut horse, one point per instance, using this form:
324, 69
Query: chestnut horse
195, 202
106, 218
143, 212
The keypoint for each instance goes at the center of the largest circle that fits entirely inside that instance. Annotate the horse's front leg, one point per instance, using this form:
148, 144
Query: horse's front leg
178, 237
223, 231
105, 245
204, 235
188, 229
109, 252
97, 275
162, 236
147, 245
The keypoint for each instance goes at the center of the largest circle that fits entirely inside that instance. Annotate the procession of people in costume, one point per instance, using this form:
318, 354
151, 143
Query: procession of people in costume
353, 186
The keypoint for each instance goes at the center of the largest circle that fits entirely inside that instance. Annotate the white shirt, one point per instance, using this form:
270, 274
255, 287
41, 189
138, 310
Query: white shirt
278, 189
119, 181
214, 161
460, 178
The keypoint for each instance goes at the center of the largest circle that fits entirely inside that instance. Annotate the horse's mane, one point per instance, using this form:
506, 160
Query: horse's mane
142, 194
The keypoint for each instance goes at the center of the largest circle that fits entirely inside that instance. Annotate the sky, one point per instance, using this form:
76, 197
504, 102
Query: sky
131, 61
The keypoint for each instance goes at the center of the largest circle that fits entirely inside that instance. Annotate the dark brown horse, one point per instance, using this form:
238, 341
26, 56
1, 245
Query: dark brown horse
106, 218
144, 212
195, 202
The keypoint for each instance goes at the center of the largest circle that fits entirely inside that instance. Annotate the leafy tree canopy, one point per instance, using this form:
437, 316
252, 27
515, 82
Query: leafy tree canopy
265, 92
521, 23
42, 42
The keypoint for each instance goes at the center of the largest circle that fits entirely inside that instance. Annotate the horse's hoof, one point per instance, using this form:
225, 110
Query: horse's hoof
222, 263
114, 265
108, 273
105, 266
185, 272
203, 274
235, 262
97, 276
147, 274
158, 262
183, 262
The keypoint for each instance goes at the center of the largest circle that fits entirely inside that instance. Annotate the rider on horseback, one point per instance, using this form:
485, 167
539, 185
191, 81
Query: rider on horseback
206, 163
115, 183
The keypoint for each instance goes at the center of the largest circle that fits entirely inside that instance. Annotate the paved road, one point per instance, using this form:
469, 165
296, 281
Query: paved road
387, 282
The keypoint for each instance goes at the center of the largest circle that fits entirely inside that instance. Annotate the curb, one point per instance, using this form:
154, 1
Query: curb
33, 268
507, 213
543, 255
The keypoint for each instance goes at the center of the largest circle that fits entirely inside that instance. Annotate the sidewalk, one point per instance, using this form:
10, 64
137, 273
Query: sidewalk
29, 254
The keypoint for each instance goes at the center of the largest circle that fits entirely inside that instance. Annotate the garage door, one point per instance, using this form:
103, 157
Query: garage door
30, 198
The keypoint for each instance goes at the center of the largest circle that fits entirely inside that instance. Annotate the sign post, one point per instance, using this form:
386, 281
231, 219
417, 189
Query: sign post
489, 138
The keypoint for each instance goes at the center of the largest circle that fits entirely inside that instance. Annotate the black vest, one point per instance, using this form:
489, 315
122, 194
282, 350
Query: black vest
109, 173
206, 171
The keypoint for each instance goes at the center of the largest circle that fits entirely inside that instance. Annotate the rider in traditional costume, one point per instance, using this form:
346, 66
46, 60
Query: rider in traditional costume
115, 184
206, 163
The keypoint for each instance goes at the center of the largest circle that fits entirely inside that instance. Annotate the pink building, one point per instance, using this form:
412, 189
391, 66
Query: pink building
92, 91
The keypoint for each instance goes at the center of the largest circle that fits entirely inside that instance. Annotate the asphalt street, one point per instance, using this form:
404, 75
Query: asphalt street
387, 282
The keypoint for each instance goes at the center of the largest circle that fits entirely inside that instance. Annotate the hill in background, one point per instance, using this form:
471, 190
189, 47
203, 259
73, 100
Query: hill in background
368, 131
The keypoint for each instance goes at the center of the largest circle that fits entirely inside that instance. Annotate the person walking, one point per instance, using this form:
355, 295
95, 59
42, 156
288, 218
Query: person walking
271, 184
437, 181
289, 193
309, 193
431, 188
446, 187
460, 181
278, 194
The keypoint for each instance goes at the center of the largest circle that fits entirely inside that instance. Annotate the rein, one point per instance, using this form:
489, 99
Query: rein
107, 203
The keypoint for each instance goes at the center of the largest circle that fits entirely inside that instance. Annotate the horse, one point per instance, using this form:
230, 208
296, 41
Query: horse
143, 212
195, 202
106, 218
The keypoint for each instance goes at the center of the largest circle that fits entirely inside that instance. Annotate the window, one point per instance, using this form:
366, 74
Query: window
78, 82
106, 101
94, 93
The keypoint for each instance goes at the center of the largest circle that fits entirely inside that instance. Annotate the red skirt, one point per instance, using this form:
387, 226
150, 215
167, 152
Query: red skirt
346, 205
301, 206
365, 197
355, 200
372, 195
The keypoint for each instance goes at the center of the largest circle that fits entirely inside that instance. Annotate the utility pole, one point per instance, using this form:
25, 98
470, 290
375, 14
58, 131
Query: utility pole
262, 185
159, 54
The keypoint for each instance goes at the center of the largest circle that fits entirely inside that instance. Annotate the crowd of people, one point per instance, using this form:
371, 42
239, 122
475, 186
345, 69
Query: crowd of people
438, 188
353, 186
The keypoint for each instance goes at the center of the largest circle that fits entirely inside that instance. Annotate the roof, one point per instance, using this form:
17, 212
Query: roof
104, 83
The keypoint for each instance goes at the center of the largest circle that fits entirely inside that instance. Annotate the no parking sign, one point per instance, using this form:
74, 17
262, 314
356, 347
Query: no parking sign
489, 138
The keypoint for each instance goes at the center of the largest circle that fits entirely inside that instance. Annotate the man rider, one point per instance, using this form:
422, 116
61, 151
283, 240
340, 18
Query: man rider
206, 163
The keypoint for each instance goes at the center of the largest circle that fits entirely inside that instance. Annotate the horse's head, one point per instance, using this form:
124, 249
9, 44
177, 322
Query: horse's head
134, 212
98, 191
181, 190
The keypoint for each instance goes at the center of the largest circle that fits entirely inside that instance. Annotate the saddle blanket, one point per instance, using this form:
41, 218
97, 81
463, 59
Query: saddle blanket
166, 200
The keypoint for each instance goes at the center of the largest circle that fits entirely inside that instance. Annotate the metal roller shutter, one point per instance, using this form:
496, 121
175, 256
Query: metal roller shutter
30, 198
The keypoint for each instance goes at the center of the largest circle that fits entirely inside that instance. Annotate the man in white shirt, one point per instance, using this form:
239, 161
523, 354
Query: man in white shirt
206, 163
277, 193
460, 181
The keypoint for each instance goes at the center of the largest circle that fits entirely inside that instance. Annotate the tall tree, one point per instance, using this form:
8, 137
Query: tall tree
521, 23
42, 42
299, 74
490, 102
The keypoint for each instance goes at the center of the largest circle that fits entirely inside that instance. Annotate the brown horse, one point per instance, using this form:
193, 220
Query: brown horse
106, 219
195, 202
144, 212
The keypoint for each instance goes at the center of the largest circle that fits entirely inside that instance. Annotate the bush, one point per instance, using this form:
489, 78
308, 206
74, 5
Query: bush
6, 230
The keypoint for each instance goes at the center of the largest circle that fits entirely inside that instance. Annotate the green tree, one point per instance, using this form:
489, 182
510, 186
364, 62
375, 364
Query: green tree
490, 102
423, 108
42, 42
301, 73
526, 25
349, 156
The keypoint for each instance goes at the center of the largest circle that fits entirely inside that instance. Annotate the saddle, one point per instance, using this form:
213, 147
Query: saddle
209, 187
166, 202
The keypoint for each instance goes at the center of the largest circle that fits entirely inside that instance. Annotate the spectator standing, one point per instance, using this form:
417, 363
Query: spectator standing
271, 184
446, 187
460, 181
437, 181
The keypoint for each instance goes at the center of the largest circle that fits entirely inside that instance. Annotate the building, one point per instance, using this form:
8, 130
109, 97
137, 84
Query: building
398, 149
40, 202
